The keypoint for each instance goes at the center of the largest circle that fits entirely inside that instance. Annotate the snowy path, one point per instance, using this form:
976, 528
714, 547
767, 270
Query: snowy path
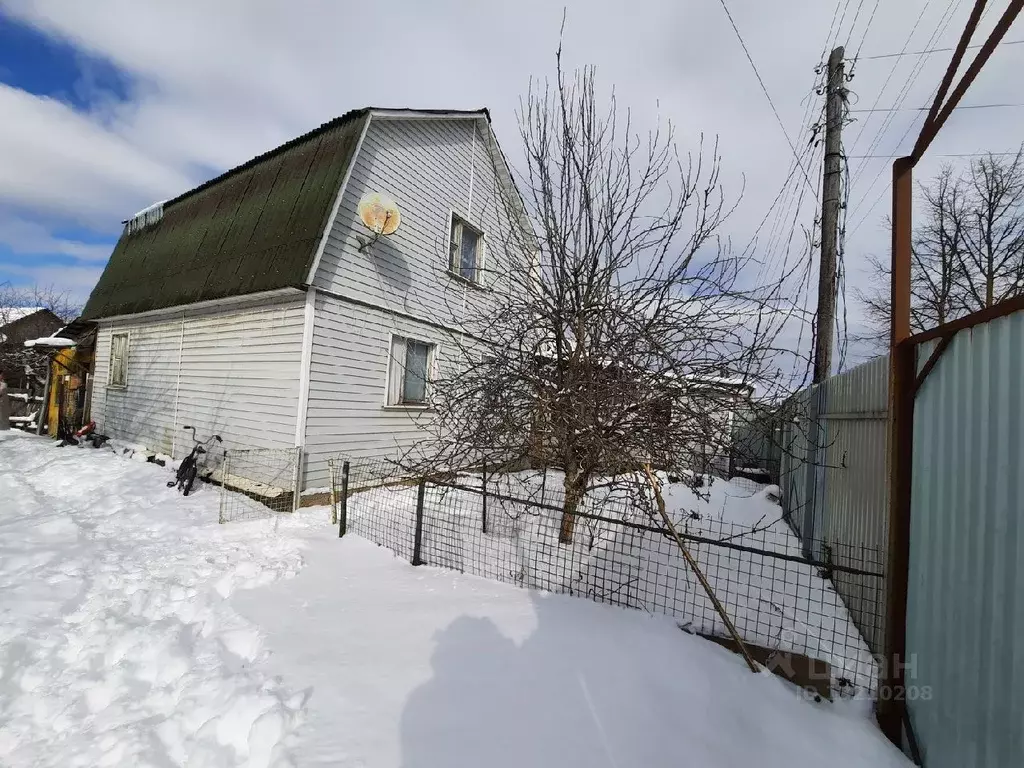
117, 643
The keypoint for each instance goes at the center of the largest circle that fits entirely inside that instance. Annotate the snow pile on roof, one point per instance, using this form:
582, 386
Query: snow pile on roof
58, 342
146, 217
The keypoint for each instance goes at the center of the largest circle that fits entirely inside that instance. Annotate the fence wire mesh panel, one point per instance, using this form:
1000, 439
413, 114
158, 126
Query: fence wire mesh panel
507, 527
257, 483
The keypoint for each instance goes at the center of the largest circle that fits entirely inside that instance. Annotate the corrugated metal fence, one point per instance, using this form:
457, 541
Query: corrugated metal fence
837, 495
965, 615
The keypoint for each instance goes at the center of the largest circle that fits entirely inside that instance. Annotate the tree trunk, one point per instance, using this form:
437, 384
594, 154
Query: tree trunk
575, 486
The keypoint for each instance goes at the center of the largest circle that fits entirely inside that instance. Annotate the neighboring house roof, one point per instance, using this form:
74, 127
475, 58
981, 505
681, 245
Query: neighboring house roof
10, 315
77, 329
20, 323
254, 228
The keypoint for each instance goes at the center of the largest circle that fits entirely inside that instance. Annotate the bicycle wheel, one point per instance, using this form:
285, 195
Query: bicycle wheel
182, 472
189, 479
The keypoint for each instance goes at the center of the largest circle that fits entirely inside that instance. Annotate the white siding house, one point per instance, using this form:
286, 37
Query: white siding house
230, 369
251, 307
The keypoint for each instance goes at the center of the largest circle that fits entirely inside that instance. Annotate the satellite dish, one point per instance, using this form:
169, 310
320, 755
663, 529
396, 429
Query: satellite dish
379, 213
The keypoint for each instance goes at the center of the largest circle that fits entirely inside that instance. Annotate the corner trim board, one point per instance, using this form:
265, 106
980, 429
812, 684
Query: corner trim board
177, 388
306, 363
326, 234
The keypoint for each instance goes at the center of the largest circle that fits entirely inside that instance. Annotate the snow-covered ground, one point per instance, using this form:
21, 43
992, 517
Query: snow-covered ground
118, 645
135, 631
773, 602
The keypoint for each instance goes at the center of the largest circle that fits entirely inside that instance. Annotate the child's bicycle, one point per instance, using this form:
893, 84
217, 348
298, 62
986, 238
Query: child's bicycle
192, 464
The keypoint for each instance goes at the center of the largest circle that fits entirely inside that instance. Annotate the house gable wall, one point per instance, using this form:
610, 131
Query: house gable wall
400, 284
431, 167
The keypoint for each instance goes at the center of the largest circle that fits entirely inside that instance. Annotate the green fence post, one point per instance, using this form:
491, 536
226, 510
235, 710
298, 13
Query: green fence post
343, 513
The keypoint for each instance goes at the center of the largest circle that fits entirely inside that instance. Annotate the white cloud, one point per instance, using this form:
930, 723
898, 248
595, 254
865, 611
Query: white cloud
57, 161
28, 237
217, 83
76, 282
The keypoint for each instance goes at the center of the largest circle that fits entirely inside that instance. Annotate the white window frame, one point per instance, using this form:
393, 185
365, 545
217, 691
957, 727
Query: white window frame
123, 383
391, 403
455, 260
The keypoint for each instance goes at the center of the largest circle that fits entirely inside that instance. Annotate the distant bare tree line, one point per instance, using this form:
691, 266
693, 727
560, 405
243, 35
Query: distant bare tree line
967, 249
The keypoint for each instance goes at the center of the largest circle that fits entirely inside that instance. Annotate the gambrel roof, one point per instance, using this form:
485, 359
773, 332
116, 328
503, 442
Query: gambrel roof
254, 228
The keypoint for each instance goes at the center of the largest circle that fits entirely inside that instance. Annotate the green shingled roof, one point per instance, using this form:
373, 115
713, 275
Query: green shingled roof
254, 228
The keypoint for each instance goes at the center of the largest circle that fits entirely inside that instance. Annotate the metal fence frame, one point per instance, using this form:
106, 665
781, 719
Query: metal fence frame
425, 522
256, 483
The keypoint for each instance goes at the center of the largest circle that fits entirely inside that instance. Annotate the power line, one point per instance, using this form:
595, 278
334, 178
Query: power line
929, 51
843, 17
873, 182
863, 37
951, 154
831, 30
892, 71
925, 109
901, 97
940, 28
777, 243
771, 103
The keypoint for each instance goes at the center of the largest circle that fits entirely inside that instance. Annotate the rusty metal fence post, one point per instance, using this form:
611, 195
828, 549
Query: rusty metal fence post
902, 357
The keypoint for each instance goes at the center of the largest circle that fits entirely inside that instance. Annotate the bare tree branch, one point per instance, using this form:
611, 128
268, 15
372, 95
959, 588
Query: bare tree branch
27, 368
619, 330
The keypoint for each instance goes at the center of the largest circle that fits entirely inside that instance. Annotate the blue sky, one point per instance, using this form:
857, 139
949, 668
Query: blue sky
110, 106
37, 64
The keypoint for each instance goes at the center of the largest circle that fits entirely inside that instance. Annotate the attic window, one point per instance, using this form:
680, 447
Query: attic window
466, 249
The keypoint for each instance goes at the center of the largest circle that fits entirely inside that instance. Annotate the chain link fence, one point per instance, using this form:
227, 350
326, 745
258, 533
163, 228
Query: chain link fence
506, 527
258, 482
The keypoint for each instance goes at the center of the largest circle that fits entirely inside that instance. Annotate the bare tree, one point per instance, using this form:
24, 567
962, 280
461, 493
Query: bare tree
935, 262
621, 330
992, 256
967, 252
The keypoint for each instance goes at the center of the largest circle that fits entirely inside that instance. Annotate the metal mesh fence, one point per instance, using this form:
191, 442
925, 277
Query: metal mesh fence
258, 482
507, 529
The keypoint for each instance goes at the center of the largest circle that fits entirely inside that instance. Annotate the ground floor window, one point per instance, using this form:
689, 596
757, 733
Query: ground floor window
409, 371
118, 360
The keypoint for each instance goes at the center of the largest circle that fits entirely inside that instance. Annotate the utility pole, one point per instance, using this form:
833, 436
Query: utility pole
830, 202
835, 95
